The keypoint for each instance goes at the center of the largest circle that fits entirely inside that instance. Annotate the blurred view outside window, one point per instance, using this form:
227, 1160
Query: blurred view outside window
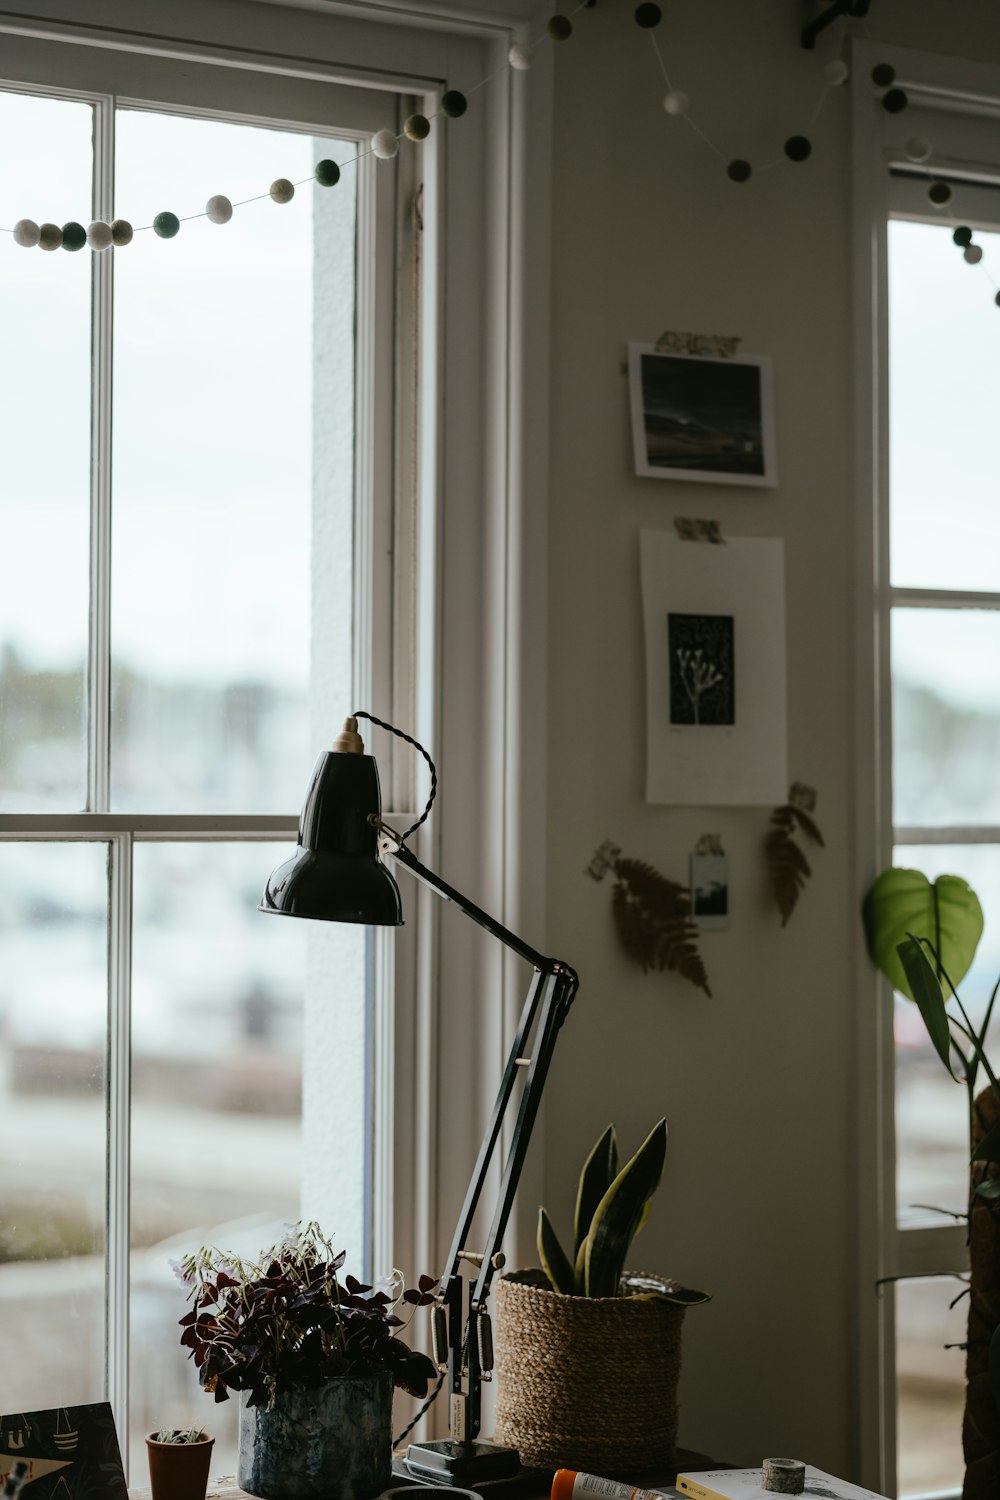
227, 597
945, 652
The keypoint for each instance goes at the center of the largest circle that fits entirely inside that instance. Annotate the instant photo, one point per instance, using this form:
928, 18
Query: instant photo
703, 418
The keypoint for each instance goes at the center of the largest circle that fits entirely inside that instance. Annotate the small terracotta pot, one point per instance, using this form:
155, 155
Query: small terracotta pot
179, 1471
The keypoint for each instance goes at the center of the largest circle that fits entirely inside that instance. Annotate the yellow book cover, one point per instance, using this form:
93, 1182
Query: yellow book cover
747, 1484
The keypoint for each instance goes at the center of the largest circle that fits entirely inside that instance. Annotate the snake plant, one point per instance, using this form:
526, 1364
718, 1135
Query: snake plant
612, 1204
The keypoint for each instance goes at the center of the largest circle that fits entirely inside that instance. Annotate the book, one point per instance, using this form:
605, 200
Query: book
747, 1484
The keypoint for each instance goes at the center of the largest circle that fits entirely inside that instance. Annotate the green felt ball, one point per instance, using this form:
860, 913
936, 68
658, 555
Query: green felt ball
560, 28
453, 104
996, 299
940, 192
648, 16
894, 101
166, 225
74, 236
327, 173
739, 170
963, 236
798, 147
417, 128
883, 74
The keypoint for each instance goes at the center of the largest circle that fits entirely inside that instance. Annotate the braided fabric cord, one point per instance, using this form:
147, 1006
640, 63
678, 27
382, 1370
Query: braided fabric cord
586, 1383
359, 713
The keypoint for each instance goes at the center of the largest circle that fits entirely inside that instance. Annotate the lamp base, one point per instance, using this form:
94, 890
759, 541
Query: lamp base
462, 1464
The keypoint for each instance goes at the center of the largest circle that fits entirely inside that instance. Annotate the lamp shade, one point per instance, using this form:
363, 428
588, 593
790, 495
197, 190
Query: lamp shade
335, 874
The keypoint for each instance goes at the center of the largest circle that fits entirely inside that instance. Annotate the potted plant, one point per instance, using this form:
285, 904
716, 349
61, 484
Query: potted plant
923, 935
314, 1359
179, 1460
588, 1356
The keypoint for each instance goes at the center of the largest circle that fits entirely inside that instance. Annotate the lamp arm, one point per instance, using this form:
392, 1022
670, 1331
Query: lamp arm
550, 994
402, 855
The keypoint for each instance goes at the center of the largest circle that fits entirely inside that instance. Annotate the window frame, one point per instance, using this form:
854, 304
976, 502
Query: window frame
887, 1250
478, 675
120, 832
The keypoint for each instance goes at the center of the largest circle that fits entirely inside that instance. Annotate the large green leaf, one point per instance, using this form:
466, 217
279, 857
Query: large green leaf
946, 913
617, 1216
599, 1172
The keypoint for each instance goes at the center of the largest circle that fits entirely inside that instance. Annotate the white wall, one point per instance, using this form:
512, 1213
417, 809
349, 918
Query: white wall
758, 1202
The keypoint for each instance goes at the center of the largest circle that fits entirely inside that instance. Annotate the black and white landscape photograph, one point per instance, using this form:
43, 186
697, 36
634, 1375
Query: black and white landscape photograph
702, 418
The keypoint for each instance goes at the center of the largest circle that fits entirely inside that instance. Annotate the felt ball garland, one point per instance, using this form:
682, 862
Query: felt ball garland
940, 194
99, 235
218, 209
383, 145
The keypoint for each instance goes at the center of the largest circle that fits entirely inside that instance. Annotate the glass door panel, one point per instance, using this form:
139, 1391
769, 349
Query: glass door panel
233, 463
53, 1045
45, 400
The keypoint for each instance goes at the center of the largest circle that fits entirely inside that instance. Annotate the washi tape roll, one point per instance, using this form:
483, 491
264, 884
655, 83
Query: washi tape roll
428, 1492
784, 1476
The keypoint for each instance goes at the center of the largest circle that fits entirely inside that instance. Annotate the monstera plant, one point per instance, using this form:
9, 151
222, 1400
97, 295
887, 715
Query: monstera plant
923, 935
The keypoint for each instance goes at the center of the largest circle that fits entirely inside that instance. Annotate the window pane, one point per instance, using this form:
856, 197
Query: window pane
44, 460
233, 468
944, 369
932, 1128
946, 716
931, 1385
53, 1023
227, 1004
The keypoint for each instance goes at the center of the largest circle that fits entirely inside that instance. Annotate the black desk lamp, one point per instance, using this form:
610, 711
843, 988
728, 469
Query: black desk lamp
337, 874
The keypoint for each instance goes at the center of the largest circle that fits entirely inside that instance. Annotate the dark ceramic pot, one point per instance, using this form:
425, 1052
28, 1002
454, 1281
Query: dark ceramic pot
332, 1443
179, 1471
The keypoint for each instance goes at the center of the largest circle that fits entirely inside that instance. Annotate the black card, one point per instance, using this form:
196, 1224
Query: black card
71, 1453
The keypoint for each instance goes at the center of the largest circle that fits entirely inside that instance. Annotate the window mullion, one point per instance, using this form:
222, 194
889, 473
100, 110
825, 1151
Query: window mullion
99, 654
119, 1137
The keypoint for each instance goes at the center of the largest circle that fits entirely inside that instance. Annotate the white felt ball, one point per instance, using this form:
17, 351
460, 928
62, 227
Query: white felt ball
836, 71
50, 236
121, 232
282, 191
917, 149
26, 233
99, 235
519, 57
676, 102
384, 145
219, 209
973, 254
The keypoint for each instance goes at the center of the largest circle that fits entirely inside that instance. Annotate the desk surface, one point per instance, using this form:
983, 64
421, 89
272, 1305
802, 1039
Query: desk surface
531, 1487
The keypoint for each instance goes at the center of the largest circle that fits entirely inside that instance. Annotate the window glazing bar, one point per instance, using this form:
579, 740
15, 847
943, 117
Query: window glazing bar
944, 599
119, 1085
165, 827
955, 834
99, 644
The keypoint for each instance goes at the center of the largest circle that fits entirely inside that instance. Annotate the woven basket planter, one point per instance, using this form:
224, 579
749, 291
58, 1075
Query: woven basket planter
586, 1383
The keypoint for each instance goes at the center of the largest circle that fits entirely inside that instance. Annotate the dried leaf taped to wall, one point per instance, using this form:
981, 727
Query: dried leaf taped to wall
653, 918
787, 866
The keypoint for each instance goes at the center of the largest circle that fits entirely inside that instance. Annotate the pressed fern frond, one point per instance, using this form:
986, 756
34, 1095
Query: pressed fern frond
786, 864
653, 917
